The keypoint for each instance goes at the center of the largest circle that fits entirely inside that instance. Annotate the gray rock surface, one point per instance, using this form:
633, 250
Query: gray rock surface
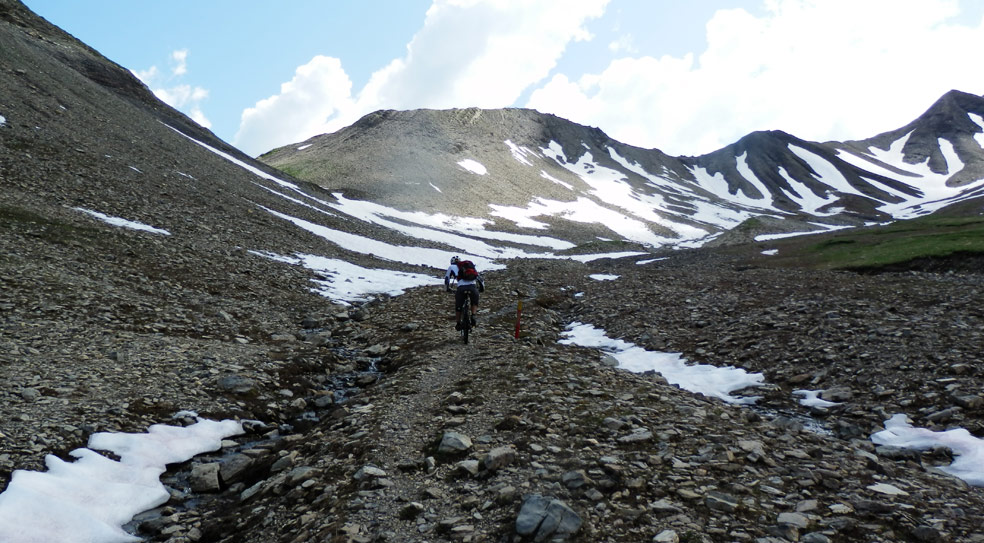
544, 517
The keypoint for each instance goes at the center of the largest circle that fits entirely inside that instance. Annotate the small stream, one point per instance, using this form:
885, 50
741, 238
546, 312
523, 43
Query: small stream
344, 387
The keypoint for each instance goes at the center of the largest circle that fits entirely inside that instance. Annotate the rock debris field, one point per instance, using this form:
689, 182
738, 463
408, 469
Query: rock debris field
374, 423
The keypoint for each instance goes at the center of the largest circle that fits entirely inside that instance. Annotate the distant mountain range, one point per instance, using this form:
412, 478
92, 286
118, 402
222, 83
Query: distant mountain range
526, 170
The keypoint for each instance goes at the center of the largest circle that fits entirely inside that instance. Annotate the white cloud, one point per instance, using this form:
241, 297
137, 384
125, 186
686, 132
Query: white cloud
311, 103
481, 53
183, 97
836, 69
180, 59
624, 43
199, 117
147, 75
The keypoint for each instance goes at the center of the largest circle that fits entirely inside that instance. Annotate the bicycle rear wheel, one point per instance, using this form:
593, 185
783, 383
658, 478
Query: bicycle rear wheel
464, 325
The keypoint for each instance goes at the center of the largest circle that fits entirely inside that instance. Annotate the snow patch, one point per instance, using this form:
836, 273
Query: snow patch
348, 283
746, 172
435, 187
804, 196
117, 221
611, 187
935, 192
583, 210
771, 252
519, 153
465, 226
473, 166
811, 398
599, 256
90, 499
420, 256
549, 177
825, 228
3, 120
978, 120
969, 450
828, 174
240, 163
718, 382
303, 147
603, 277
717, 184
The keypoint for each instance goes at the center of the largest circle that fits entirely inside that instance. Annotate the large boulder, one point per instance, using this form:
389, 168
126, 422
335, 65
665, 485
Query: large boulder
545, 517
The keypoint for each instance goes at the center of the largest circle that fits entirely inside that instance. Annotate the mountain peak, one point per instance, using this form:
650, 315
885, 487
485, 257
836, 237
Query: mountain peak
955, 95
950, 111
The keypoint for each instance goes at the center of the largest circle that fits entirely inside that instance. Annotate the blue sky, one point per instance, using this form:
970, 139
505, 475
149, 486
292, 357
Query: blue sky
686, 77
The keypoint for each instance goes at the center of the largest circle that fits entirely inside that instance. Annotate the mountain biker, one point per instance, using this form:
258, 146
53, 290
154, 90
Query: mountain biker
466, 288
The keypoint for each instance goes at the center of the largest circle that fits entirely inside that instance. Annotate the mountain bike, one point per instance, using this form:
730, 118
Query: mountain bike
466, 325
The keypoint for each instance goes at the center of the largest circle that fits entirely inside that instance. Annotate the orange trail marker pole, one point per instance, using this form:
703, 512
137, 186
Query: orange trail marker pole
519, 313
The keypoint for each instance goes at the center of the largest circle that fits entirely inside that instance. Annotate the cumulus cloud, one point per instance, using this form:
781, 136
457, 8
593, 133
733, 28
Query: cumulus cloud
480, 53
180, 59
483, 53
822, 70
315, 101
181, 96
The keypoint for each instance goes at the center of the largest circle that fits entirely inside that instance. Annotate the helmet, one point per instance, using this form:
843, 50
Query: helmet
454, 260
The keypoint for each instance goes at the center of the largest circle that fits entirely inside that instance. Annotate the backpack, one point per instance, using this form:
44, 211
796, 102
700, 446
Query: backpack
467, 271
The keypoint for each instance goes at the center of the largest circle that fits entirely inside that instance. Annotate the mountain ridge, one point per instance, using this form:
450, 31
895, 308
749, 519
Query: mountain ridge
769, 172
948, 115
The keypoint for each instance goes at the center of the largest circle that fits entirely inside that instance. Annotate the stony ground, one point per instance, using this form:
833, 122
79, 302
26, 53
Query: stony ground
377, 424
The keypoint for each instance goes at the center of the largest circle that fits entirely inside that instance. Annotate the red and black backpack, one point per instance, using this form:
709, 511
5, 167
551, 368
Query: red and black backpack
467, 271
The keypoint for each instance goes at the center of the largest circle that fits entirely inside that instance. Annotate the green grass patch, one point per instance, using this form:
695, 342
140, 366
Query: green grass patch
889, 246
294, 171
751, 224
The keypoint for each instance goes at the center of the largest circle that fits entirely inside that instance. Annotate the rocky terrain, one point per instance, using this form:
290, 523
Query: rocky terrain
355, 404
449, 442
372, 422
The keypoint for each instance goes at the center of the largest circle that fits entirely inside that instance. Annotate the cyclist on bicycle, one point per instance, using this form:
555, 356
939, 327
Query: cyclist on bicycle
470, 283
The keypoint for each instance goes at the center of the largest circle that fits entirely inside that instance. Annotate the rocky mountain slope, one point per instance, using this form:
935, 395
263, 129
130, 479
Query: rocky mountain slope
240, 310
526, 170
